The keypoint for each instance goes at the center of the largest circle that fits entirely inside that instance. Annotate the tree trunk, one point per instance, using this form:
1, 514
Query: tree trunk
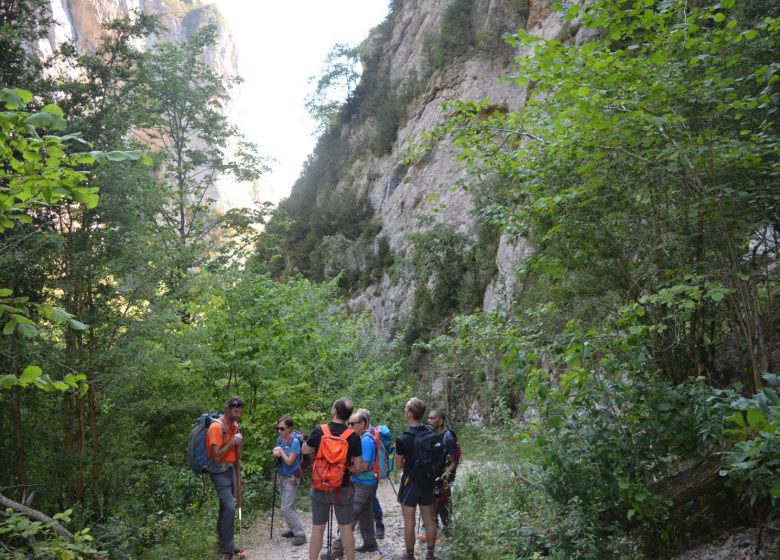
16, 405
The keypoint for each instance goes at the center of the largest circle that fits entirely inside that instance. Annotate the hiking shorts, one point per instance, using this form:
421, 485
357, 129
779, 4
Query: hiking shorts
340, 500
412, 494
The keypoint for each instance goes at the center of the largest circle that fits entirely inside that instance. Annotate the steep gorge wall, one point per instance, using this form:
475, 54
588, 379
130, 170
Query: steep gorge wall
80, 23
406, 198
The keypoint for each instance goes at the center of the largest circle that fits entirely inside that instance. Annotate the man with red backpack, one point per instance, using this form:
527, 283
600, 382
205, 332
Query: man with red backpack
337, 450
364, 484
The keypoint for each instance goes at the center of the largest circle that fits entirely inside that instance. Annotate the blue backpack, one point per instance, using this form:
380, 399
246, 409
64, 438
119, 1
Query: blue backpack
385, 451
196, 445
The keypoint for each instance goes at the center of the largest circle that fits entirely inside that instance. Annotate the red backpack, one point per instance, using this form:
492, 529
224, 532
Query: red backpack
327, 474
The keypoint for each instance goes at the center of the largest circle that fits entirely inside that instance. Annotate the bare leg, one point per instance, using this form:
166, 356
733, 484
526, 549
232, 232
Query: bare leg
429, 520
347, 541
315, 544
409, 520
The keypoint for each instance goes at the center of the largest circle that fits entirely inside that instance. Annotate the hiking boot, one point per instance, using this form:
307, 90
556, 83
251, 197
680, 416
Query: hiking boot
299, 540
334, 554
380, 530
288, 534
367, 548
406, 555
430, 555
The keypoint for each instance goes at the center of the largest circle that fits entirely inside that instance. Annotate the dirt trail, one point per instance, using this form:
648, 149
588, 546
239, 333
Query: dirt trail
260, 547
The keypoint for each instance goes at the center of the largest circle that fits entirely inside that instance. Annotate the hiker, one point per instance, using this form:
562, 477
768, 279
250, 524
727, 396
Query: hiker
412, 492
340, 497
287, 456
376, 507
364, 484
224, 444
436, 420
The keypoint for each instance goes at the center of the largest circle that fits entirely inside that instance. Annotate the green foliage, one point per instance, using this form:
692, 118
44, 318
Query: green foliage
753, 461
657, 175
450, 274
456, 36
21, 23
23, 538
335, 84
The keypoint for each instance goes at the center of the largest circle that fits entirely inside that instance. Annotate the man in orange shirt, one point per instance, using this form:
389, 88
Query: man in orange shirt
223, 444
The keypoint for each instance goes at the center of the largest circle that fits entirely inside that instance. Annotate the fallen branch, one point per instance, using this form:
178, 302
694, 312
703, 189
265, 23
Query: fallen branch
45, 519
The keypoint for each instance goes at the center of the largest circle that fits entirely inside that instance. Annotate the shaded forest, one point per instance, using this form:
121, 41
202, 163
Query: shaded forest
632, 382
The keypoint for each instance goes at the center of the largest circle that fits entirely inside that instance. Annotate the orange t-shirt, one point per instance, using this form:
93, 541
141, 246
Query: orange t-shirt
214, 437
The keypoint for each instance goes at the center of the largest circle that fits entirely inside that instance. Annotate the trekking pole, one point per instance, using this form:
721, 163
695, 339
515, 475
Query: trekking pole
273, 500
330, 531
239, 497
392, 485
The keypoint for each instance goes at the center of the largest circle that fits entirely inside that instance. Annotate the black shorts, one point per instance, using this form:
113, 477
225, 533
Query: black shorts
412, 494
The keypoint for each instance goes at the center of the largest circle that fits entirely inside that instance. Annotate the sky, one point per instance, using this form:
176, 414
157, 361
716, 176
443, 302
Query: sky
281, 44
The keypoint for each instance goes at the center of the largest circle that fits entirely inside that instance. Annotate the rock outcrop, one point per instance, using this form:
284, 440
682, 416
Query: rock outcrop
410, 199
80, 23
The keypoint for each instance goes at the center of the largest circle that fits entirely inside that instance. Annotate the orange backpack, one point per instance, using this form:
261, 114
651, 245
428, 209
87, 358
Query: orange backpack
331, 461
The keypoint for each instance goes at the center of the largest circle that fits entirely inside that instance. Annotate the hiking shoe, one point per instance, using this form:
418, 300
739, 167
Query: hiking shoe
406, 555
367, 548
380, 530
288, 534
430, 556
299, 540
334, 554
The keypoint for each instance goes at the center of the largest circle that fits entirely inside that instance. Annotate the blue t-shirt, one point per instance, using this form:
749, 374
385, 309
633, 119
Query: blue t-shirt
367, 478
293, 447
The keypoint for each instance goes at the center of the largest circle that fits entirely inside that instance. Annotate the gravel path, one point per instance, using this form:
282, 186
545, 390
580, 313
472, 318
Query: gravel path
260, 547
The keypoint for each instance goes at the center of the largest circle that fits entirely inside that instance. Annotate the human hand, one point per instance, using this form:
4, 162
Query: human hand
237, 439
277, 452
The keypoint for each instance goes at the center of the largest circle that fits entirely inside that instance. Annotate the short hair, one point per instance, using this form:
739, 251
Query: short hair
366, 413
234, 402
343, 408
416, 407
288, 421
438, 413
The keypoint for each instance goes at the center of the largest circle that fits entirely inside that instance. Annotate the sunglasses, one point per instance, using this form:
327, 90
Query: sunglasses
281, 428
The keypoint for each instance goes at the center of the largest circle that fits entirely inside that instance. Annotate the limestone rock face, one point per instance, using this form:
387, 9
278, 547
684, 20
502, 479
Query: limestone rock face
406, 197
80, 22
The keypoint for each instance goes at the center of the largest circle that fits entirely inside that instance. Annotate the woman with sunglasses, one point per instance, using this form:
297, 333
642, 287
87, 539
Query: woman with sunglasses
287, 456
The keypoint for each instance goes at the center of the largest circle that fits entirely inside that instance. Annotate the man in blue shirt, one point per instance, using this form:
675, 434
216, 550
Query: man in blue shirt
364, 482
287, 456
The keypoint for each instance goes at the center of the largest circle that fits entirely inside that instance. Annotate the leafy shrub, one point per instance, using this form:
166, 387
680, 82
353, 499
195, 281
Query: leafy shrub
753, 463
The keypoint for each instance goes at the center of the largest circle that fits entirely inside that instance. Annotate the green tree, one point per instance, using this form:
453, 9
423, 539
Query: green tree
335, 85
184, 103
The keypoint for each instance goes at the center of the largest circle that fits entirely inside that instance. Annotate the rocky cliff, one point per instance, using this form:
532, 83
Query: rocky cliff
80, 23
412, 48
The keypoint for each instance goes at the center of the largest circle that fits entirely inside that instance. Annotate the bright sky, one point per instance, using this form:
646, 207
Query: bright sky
280, 45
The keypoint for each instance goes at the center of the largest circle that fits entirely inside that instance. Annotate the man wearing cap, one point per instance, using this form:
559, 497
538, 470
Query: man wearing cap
223, 445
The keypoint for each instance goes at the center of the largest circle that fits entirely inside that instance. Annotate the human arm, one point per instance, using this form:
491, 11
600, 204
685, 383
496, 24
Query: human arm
312, 442
288, 458
399, 453
219, 449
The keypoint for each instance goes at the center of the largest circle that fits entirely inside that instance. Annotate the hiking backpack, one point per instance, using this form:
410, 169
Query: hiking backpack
458, 450
197, 453
305, 459
428, 456
331, 460
385, 451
